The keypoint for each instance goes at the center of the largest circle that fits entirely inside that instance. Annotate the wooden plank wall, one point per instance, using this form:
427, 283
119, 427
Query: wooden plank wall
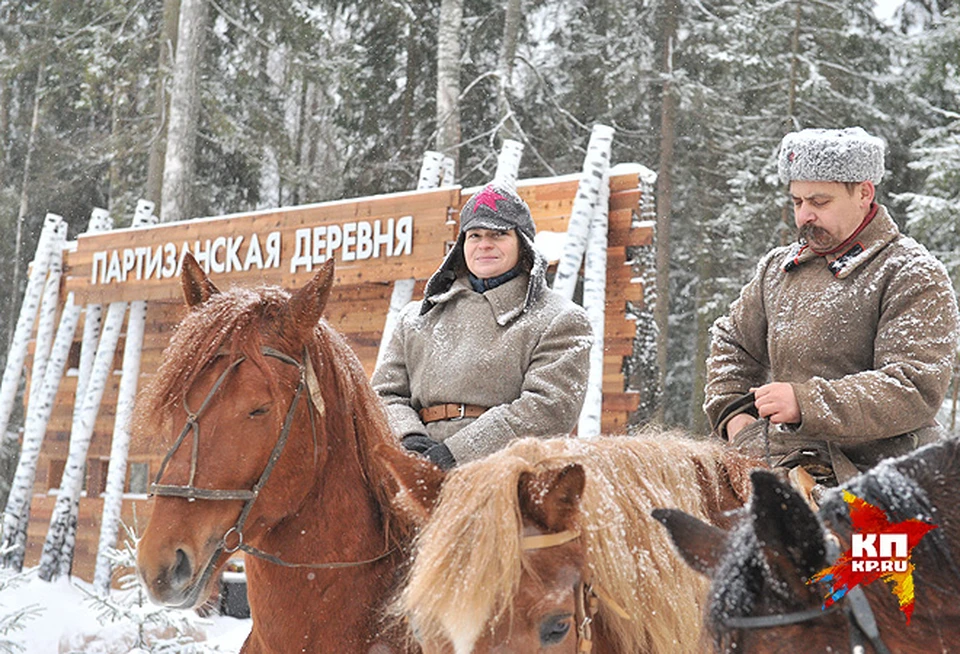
357, 310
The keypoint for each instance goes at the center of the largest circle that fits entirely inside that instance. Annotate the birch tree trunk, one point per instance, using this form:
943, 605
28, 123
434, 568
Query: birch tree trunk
448, 79
508, 164
120, 442
161, 105
58, 548
25, 192
28, 313
431, 172
791, 123
60, 536
180, 160
595, 167
508, 52
48, 313
17, 512
661, 311
594, 302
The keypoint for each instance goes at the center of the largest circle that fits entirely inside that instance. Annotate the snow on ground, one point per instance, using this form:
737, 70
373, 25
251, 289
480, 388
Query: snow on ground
68, 621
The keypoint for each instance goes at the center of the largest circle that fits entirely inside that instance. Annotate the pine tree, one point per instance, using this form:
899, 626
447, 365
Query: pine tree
14, 620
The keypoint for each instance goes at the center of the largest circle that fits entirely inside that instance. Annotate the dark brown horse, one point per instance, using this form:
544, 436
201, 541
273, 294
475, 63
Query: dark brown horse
760, 600
278, 447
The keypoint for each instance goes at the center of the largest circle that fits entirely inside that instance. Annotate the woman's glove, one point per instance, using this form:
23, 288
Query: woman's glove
441, 455
418, 443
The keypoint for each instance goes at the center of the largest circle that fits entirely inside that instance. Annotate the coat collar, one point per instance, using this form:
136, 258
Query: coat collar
507, 300
874, 237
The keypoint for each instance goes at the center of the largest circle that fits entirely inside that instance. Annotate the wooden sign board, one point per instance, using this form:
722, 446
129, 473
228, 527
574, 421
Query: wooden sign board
374, 239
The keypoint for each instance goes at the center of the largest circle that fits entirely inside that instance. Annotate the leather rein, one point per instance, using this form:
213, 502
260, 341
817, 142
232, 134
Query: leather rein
308, 382
587, 595
860, 618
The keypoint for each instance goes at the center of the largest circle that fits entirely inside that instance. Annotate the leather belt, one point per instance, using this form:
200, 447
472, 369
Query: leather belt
451, 412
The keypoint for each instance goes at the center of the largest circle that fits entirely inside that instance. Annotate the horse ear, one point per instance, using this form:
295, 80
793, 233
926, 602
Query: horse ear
307, 304
414, 483
789, 533
551, 498
699, 543
197, 287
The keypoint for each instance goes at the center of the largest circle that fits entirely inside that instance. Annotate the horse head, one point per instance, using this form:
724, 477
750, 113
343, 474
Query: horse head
548, 545
231, 397
760, 597
549, 598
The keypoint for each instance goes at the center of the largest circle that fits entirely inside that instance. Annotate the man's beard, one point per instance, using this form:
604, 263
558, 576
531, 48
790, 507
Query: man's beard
818, 238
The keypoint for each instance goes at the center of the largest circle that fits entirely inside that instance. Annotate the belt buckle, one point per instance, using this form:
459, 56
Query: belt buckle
463, 409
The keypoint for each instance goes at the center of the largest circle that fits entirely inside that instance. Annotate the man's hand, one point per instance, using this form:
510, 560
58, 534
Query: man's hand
778, 402
737, 423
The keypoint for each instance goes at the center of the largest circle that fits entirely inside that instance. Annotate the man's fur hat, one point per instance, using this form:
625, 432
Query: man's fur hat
831, 155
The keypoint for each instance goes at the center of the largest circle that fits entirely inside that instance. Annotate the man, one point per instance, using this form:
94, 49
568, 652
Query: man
847, 338
491, 353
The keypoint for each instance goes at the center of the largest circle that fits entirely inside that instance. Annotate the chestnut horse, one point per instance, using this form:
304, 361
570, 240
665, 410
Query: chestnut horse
548, 546
760, 601
278, 447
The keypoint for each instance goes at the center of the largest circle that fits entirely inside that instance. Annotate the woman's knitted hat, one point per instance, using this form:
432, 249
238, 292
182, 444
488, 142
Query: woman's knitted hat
831, 155
497, 207
493, 207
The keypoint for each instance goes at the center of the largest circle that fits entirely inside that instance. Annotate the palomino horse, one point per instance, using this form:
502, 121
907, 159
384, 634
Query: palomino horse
548, 546
279, 448
760, 601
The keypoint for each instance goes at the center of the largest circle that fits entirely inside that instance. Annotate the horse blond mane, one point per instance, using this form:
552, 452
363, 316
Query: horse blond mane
468, 558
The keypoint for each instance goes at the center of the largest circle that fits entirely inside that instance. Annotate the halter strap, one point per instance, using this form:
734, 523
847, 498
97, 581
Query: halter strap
860, 617
587, 595
308, 383
542, 541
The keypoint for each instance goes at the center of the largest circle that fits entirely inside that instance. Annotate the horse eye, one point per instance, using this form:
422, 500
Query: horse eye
555, 628
260, 411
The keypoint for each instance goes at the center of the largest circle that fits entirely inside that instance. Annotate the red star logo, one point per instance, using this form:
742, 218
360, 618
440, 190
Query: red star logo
843, 575
487, 197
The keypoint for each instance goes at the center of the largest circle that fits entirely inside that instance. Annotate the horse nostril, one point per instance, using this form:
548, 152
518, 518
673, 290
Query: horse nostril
182, 570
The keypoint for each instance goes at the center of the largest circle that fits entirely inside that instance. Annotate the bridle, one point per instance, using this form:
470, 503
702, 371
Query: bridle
862, 624
308, 382
587, 595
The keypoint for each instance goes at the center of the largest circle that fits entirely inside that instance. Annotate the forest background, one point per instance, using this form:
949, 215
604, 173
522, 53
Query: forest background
209, 107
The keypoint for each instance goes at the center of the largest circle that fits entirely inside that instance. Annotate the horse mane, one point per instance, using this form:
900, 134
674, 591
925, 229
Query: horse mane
238, 322
469, 561
364, 418
237, 317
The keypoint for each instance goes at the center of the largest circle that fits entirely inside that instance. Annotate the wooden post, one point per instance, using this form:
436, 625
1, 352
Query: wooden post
58, 547
431, 172
28, 313
120, 442
508, 164
595, 166
594, 302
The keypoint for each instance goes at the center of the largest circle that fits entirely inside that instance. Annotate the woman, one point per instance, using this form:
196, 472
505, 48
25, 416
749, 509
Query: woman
490, 354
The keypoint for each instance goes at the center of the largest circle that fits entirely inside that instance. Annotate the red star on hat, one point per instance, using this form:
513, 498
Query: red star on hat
487, 197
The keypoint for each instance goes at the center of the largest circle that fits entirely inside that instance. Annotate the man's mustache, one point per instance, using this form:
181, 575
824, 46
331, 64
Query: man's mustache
811, 232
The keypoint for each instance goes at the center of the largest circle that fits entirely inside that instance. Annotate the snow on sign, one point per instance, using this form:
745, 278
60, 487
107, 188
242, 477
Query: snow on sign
374, 239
